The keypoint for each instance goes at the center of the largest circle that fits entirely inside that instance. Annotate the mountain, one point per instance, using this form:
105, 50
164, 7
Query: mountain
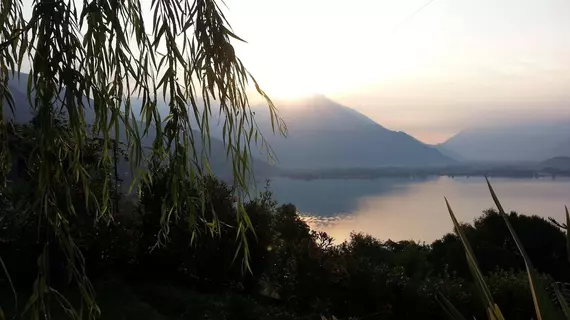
219, 163
563, 148
324, 134
511, 143
560, 163
18, 88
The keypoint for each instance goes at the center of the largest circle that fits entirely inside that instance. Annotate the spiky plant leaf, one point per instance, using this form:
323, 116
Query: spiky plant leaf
545, 309
567, 233
562, 302
493, 311
449, 308
5, 270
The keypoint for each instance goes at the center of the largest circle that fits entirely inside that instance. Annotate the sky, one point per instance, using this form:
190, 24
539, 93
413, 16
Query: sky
429, 72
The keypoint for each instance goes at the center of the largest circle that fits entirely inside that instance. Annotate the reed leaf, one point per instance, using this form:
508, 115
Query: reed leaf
493, 311
545, 309
449, 308
567, 233
5, 270
562, 302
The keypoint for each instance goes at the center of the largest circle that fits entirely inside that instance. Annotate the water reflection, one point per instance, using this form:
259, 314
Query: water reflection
402, 209
336, 197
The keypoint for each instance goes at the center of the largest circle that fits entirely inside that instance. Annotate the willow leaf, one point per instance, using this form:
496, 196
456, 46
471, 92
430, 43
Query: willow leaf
108, 56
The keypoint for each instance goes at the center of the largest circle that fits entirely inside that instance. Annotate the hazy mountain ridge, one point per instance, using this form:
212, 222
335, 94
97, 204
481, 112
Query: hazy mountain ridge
560, 163
511, 143
324, 134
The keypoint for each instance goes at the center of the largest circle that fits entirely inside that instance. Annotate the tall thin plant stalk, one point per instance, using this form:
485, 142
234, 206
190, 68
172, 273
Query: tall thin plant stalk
543, 305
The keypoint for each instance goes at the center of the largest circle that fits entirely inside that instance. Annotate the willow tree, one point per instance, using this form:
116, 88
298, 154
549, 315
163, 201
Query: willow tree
98, 55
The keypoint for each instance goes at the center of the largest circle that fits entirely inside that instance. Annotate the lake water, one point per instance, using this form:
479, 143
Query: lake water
404, 209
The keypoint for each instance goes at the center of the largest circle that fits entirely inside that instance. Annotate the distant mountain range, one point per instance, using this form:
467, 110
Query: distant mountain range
528, 142
324, 135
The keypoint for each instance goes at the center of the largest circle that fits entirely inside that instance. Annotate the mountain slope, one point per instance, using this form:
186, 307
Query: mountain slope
511, 143
325, 134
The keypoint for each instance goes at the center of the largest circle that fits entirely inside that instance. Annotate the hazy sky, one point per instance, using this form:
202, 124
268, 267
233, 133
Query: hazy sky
453, 64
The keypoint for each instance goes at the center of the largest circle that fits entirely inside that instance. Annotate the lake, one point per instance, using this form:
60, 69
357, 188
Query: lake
404, 209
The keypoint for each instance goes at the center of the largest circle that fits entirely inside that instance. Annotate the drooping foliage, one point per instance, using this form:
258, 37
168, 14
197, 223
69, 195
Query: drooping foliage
97, 56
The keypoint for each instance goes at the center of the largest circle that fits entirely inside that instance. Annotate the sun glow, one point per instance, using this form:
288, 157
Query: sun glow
300, 74
293, 88
299, 82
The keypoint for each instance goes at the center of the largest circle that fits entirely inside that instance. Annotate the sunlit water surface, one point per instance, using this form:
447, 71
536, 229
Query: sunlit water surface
408, 209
